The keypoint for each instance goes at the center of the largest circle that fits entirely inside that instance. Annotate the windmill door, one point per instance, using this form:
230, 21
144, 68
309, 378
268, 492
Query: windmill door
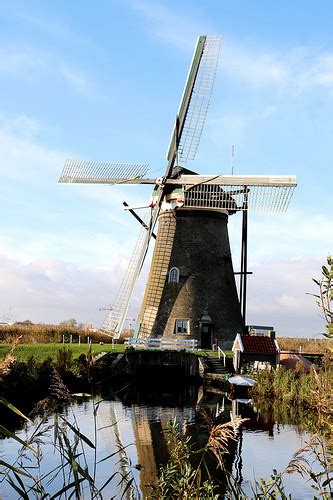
206, 335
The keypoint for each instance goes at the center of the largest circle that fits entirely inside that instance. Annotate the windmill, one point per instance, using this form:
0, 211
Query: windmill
191, 289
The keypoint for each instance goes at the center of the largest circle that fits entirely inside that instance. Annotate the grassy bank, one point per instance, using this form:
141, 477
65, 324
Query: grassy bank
43, 351
46, 350
294, 391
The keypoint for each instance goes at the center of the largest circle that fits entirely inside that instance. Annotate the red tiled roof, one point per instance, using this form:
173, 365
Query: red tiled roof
258, 343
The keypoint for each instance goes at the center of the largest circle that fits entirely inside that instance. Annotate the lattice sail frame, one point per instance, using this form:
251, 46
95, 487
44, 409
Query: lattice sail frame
237, 193
115, 319
96, 172
200, 99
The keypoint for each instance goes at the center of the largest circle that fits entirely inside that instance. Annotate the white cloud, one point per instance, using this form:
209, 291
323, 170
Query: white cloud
15, 61
26, 161
254, 67
295, 68
29, 62
51, 290
69, 266
56, 27
277, 296
20, 126
76, 80
234, 126
175, 27
292, 233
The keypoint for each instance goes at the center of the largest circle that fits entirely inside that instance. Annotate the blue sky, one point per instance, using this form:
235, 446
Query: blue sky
103, 81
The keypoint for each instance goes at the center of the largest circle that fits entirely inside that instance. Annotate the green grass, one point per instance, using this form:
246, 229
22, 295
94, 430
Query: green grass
44, 351
207, 352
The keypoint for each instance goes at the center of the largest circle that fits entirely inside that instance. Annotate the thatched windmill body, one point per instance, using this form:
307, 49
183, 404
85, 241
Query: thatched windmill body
191, 290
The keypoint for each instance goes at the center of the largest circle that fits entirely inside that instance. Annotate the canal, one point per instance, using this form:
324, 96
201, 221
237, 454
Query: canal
131, 426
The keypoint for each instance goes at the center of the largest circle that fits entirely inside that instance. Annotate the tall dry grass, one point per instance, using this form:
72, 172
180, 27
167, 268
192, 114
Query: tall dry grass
310, 346
9, 359
44, 334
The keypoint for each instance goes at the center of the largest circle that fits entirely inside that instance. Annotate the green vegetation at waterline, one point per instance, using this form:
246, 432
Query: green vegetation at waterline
294, 392
180, 478
43, 351
26, 382
77, 458
324, 297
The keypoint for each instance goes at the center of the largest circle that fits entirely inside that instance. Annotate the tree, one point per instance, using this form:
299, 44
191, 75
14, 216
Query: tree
325, 296
69, 322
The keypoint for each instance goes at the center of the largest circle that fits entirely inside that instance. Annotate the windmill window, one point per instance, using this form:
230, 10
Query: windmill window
174, 275
182, 326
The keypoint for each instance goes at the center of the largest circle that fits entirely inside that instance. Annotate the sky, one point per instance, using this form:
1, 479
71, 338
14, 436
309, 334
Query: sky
102, 81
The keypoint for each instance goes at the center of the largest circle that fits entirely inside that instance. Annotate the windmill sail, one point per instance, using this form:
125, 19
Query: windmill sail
193, 108
199, 102
195, 99
222, 192
115, 319
96, 172
184, 141
158, 273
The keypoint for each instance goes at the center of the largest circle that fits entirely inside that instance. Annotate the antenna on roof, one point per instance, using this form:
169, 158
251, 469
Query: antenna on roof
232, 159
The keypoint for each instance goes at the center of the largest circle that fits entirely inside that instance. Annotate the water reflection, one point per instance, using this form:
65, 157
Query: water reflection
135, 415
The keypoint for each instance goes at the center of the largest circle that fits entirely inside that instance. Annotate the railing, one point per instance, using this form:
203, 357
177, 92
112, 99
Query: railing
221, 353
163, 343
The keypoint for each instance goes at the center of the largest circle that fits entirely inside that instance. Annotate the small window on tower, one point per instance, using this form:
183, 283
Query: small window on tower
182, 326
174, 275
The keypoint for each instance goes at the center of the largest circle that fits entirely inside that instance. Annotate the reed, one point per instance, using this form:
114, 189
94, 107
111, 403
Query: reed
41, 333
310, 346
73, 474
294, 390
9, 359
180, 479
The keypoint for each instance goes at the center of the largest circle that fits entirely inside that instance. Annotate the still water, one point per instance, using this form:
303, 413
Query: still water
135, 420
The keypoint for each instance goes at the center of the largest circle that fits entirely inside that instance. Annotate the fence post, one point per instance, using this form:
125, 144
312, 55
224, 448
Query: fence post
63, 338
79, 339
70, 338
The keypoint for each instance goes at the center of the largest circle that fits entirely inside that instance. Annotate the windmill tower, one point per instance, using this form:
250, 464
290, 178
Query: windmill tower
191, 290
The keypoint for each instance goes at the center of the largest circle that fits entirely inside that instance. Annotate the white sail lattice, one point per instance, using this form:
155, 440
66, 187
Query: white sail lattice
115, 319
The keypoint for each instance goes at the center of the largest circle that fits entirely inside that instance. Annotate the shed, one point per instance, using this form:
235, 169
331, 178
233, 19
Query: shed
256, 352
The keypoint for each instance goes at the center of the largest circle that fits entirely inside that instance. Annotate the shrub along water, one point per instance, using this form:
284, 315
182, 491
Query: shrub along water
179, 479
297, 392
